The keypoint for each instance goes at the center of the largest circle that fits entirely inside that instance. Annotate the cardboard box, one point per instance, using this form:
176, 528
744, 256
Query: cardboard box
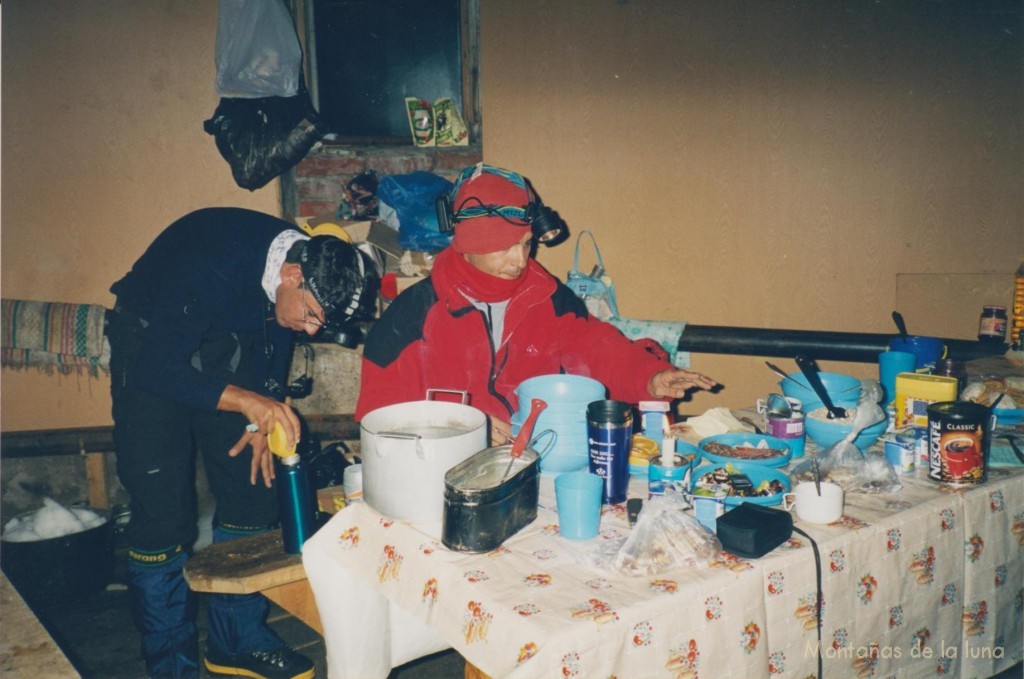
330, 500
384, 238
915, 392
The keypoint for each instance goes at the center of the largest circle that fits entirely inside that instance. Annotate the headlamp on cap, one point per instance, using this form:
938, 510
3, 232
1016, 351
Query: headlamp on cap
341, 323
545, 224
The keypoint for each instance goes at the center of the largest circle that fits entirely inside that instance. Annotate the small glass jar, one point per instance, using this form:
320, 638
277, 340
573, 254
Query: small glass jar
949, 367
992, 324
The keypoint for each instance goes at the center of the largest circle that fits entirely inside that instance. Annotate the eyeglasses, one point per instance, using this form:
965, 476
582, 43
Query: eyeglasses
307, 317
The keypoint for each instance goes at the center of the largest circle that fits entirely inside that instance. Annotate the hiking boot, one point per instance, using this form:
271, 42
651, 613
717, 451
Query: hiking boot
280, 663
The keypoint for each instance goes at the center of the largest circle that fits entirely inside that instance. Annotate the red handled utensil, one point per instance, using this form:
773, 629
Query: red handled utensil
525, 433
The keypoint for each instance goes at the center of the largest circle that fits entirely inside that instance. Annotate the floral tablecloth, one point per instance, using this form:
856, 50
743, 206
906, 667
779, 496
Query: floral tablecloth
928, 581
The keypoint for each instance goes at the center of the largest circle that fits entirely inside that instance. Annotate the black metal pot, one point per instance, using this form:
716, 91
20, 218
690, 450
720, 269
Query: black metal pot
484, 505
63, 568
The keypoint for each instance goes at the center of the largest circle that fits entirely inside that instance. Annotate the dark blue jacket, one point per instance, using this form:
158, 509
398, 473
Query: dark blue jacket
200, 281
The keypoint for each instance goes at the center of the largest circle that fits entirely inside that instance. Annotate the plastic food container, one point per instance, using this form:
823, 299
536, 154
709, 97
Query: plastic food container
482, 506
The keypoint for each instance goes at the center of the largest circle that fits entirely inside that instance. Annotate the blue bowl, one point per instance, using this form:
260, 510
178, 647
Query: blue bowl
1008, 416
736, 439
757, 473
548, 419
556, 390
825, 432
844, 390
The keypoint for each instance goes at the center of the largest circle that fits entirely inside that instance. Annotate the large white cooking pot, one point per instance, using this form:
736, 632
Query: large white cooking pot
406, 449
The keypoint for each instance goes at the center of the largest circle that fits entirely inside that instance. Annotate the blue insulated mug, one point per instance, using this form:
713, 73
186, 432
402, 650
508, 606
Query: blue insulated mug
609, 439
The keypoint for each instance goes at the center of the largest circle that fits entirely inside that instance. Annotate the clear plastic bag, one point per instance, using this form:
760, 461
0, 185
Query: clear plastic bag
665, 538
843, 463
257, 51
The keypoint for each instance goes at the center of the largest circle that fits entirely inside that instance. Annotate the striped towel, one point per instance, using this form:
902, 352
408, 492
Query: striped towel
53, 336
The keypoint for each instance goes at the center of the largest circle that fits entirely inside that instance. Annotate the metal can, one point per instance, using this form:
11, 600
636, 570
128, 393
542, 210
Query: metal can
663, 478
958, 440
901, 451
790, 428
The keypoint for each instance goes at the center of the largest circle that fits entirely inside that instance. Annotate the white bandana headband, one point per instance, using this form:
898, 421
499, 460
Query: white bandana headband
275, 258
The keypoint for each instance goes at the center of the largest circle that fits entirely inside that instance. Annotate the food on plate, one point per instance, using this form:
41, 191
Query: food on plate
744, 451
735, 483
645, 449
986, 391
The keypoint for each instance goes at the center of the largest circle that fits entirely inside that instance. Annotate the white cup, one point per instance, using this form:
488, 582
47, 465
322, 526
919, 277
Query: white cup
814, 508
352, 483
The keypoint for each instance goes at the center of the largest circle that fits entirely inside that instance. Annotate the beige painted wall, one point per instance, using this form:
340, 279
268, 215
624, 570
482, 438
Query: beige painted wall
103, 146
767, 164
741, 163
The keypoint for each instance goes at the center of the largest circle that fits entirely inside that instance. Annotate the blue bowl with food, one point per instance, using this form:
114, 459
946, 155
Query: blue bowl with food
826, 432
728, 482
639, 460
759, 449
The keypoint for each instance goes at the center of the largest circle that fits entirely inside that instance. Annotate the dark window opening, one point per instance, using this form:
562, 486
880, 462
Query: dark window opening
367, 56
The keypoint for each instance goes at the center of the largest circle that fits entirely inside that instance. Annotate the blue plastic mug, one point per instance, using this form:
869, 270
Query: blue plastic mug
927, 349
578, 495
891, 364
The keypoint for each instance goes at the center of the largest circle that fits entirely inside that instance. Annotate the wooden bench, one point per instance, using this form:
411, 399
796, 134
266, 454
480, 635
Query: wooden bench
27, 651
255, 564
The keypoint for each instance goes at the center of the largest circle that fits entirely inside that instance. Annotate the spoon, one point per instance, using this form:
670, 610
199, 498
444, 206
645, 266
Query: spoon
523, 438
781, 373
817, 474
784, 375
810, 371
900, 324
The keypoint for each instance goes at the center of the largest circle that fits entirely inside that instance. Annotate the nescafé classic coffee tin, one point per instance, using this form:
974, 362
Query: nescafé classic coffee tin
958, 441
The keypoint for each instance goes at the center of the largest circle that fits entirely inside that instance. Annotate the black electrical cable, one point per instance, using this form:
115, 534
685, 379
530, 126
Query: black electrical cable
817, 574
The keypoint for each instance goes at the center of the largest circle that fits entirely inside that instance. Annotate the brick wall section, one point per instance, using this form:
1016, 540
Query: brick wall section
316, 186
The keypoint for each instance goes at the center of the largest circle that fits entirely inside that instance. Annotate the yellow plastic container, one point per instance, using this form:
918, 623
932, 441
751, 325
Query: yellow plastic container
914, 393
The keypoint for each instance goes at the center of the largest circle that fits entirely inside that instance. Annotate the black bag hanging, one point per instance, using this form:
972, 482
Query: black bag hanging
265, 122
264, 137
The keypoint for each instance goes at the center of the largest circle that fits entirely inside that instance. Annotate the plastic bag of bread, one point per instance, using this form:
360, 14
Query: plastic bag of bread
666, 538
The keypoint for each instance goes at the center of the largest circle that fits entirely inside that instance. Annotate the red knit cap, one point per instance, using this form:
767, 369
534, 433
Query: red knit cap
481, 235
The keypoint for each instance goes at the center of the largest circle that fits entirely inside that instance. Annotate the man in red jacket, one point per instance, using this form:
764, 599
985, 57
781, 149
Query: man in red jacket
489, 317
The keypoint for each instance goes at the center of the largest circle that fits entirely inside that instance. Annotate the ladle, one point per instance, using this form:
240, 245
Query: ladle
810, 371
901, 325
525, 434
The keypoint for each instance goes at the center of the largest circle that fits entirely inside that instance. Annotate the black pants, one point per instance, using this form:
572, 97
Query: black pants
156, 441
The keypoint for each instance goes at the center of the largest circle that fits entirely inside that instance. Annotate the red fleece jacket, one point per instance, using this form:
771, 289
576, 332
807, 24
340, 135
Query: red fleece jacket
431, 337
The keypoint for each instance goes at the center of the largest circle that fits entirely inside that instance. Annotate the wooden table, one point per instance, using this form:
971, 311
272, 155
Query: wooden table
27, 651
255, 564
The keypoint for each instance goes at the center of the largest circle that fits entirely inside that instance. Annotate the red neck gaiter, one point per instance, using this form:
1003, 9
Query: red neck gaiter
474, 283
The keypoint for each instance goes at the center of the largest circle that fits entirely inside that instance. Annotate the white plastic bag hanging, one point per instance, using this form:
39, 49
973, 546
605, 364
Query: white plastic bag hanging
258, 52
596, 289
